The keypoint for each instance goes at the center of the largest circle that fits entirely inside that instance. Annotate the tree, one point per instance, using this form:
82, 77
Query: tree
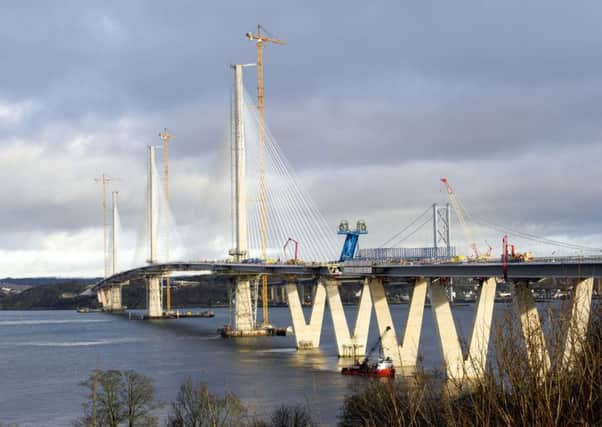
292, 416
117, 397
138, 398
197, 407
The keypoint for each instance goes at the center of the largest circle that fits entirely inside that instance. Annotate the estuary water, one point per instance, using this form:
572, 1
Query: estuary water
44, 355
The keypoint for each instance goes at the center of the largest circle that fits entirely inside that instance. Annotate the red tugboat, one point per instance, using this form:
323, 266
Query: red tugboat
383, 368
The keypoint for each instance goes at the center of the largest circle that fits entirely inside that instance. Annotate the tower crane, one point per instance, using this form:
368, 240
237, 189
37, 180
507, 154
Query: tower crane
166, 137
260, 39
465, 227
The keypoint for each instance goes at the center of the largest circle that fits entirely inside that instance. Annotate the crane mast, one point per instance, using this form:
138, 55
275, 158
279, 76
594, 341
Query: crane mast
166, 137
460, 215
260, 39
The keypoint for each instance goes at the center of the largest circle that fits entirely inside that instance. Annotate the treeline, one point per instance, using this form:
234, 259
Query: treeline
115, 398
58, 296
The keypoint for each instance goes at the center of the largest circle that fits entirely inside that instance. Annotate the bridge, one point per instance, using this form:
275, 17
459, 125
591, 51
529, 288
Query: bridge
329, 276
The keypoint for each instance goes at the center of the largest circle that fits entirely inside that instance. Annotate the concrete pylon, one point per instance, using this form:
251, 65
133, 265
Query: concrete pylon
116, 302
307, 335
243, 309
459, 366
577, 325
413, 328
405, 354
154, 300
535, 341
107, 298
349, 345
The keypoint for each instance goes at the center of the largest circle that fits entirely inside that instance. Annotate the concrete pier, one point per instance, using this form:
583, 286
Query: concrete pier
307, 335
457, 364
154, 297
243, 313
349, 345
535, 341
577, 324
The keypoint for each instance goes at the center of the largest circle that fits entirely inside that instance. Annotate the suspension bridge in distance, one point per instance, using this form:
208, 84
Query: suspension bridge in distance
289, 208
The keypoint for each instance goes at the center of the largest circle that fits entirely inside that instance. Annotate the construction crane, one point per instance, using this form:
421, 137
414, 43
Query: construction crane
166, 137
460, 215
260, 39
296, 243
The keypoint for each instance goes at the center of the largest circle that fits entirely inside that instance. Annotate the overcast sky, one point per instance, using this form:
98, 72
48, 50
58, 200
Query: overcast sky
372, 102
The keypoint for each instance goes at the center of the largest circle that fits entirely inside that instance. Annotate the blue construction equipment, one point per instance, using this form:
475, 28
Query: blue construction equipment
350, 245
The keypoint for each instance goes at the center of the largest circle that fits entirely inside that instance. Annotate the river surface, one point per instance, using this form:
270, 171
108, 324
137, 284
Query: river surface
44, 355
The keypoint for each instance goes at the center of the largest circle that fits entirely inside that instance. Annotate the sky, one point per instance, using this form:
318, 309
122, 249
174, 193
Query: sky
371, 102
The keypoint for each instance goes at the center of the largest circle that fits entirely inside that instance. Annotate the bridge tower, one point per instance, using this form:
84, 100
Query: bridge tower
115, 290
243, 311
154, 303
441, 227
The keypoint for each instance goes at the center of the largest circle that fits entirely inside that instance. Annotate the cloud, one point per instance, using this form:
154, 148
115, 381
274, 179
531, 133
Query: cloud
371, 104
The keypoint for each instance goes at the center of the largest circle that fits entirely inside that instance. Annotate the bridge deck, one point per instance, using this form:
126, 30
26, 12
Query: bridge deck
516, 271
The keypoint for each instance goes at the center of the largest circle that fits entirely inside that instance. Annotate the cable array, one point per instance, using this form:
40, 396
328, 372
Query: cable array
290, 210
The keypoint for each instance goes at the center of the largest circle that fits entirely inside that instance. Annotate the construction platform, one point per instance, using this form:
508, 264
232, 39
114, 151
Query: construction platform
268, 331
181, 314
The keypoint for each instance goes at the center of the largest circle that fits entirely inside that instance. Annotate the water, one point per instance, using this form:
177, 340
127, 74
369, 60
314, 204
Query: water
44, 355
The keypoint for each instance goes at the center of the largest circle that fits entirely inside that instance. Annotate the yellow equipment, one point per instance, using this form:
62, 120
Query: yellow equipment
260, 39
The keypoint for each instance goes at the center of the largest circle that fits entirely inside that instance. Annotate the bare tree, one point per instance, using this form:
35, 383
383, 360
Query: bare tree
197, 407
138, 399
117, 398
292, 416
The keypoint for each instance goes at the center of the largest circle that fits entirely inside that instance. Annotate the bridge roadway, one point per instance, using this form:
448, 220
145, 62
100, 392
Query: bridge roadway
461, 361
572, 268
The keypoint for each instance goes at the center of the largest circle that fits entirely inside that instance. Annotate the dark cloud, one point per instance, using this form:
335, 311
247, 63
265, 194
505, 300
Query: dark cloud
371, 102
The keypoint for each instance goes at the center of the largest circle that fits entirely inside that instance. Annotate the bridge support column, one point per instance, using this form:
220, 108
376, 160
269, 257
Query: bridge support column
154, 300
446, 328
243, 309
100, 297
535, 341
355, 345
577, 324
116, 302
106, 299
476, 362
413, 328
457, 365
406, 354
307, 335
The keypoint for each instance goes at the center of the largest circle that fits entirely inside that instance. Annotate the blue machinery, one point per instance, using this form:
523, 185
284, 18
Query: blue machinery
350, 245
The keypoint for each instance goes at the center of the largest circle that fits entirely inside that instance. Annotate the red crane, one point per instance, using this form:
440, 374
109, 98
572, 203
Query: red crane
296, 243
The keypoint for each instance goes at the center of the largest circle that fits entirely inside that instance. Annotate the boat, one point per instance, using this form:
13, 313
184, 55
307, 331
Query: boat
88, 310
383, 368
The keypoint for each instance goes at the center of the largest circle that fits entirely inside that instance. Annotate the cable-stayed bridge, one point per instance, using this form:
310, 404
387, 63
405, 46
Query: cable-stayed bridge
269, 205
